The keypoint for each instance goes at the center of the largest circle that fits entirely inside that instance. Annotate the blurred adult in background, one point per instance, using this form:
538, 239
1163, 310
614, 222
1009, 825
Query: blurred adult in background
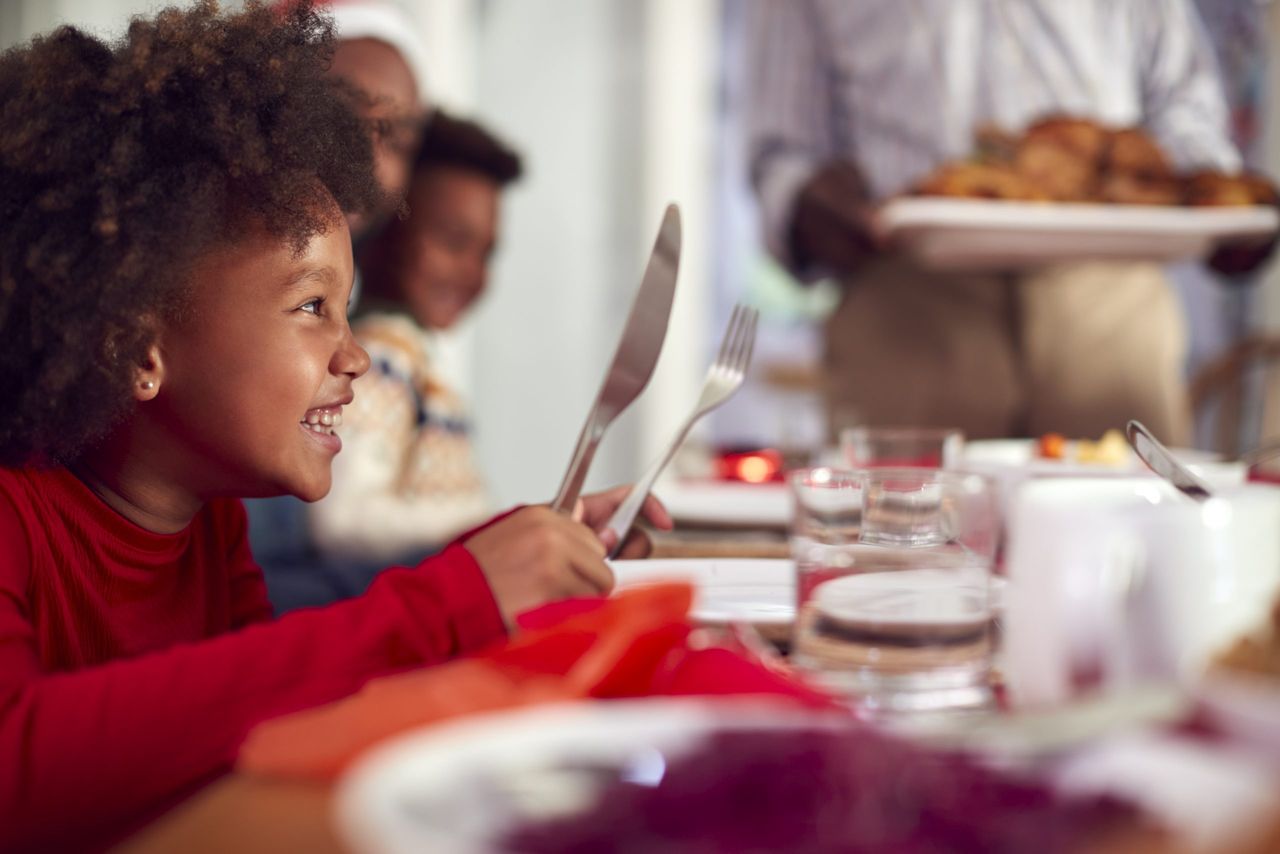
405, 482
380, 56
855, 102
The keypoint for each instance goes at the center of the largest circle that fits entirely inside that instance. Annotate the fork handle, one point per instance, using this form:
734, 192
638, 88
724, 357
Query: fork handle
622, 518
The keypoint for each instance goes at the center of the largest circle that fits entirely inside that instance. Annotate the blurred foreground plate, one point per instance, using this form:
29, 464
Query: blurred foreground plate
987, 234
462, 787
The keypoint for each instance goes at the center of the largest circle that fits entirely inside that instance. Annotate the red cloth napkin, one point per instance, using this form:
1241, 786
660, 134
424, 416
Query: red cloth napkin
632, 645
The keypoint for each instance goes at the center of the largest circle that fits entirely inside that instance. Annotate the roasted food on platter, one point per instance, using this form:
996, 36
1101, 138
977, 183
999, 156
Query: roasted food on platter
1219, 190
982, 181
1068, 159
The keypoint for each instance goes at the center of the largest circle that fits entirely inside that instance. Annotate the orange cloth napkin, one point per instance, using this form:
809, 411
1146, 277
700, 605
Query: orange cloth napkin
634, 644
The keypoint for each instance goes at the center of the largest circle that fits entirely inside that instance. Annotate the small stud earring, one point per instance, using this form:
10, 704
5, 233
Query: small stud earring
147, 385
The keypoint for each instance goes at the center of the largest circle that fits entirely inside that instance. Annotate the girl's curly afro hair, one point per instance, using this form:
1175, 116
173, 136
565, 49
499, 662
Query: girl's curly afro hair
122, 164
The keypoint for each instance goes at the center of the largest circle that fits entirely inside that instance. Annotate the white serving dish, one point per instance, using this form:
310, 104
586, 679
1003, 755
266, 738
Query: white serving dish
945, 233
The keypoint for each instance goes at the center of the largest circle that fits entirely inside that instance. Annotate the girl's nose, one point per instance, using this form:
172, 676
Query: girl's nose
350, 358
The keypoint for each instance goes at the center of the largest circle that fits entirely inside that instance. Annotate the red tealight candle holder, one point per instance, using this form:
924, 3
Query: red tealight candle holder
760, 465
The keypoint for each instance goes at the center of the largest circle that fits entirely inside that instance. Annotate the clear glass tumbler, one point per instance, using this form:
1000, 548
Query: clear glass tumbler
899, 447
899, 618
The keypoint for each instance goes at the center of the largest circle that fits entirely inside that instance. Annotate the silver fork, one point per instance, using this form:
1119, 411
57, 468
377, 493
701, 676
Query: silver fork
724, 377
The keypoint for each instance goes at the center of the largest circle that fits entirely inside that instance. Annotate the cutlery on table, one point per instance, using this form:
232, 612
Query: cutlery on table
1162, 461
635, 358
724, 377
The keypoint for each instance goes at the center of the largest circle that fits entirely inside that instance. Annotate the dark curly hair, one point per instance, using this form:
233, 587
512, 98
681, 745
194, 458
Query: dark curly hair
449, 140
121, 165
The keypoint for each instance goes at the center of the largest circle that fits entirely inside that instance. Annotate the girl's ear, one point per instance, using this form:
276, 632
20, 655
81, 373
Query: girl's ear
149, 375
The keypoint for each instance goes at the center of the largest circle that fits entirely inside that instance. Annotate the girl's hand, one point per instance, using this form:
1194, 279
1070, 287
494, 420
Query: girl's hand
596, 510
537, 555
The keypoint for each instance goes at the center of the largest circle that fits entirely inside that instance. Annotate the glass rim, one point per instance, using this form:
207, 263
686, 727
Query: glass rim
800, 476
934, 475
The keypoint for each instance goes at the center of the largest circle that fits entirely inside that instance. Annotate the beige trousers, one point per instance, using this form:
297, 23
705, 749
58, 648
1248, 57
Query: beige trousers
1074, 349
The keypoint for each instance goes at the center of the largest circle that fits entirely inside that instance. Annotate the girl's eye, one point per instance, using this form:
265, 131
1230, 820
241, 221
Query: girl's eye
312, 306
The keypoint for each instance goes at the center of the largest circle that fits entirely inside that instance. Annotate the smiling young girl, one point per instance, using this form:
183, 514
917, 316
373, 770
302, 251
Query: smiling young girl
174, 274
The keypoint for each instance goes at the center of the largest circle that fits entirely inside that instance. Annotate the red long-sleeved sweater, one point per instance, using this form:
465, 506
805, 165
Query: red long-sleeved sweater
132, 664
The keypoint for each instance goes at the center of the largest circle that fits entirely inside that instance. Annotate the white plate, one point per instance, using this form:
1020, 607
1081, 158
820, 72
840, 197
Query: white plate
728, 504
756, 591
993, 456
980, 233
461, 787
759, 592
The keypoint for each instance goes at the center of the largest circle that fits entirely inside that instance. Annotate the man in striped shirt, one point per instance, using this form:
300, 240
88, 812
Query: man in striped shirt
855, 101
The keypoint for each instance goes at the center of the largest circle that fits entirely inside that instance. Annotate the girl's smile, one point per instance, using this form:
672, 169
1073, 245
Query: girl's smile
320, 424
253, 379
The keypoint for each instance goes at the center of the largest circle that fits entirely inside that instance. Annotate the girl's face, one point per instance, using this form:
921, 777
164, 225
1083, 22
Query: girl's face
256, 374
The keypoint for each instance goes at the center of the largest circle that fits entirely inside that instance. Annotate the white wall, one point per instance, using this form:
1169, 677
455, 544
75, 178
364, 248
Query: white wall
610, 101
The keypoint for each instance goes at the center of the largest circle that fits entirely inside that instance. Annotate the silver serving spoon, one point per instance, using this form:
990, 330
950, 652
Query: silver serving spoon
1161, 461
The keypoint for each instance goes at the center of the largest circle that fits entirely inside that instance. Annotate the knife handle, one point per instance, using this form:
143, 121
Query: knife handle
576, 475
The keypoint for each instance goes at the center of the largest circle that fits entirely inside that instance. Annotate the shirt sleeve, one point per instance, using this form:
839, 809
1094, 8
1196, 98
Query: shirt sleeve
367, 515
790, 128
1183, 102
109, 745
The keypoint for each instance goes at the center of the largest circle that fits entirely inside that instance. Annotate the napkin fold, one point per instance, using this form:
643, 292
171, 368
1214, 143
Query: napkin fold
634, 644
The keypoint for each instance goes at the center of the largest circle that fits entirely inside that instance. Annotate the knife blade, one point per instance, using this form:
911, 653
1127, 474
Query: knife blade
1162, 461
636, 356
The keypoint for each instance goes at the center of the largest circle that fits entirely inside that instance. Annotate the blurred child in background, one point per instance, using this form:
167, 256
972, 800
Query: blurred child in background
406, 482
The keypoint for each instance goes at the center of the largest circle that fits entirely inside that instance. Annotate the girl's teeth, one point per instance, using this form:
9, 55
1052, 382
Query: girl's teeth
322, 420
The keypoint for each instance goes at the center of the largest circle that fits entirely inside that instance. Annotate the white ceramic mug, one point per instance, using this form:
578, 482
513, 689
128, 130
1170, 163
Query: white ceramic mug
1122, 581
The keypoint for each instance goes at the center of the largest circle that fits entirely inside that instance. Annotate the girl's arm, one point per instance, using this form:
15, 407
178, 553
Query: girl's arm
97, 751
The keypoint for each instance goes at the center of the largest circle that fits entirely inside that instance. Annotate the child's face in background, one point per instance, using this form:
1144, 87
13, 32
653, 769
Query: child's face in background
442, 250
264, 351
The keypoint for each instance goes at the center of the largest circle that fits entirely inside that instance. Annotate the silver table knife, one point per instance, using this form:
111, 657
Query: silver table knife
636, 357
1162, 461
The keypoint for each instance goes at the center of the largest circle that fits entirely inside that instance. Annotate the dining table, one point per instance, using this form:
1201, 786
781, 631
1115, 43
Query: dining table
247, 811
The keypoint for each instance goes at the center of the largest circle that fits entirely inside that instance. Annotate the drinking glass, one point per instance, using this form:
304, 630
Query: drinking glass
827, 505
899, 617
898, 447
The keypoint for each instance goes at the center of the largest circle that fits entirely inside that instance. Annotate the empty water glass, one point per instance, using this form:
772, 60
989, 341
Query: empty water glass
928, 507
899, 447
899, 618
826, 505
